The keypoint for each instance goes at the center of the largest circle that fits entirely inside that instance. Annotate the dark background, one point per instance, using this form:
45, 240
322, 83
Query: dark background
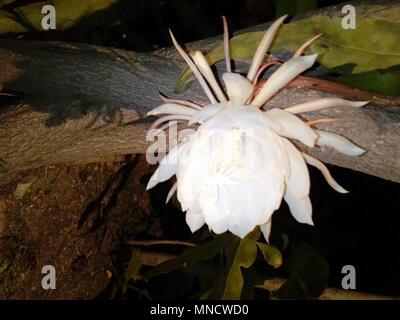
142, 25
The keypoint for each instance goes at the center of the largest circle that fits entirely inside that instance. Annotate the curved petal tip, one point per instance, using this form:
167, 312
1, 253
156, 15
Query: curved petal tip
310, 58
152, 183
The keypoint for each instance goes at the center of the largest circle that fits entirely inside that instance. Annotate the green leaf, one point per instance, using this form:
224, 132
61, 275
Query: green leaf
133, 266
271, 254
386, 82
294, 6
241, 47
285, 240
205, 295
132, 270
244, 257
309, 274
6, 2
191, 256
337, 47
68, 13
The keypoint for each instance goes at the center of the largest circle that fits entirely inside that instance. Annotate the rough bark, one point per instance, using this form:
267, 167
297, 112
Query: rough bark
80, 102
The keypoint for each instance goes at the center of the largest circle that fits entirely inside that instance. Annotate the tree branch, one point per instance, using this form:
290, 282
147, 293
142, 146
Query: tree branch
76, 102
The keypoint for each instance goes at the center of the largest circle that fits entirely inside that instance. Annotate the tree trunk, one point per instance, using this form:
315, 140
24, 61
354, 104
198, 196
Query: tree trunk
77, 102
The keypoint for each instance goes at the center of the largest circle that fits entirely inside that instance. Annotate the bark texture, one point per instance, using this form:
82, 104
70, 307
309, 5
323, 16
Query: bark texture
77, 102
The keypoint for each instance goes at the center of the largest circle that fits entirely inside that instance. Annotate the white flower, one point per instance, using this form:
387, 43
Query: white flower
233, 172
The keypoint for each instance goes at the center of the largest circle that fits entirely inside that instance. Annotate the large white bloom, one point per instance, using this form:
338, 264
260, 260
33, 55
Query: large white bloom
233, 172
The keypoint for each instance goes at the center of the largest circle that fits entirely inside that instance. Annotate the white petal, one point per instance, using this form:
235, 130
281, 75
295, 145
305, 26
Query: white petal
281, 77
301, 209
252, 201
226, 45
338, 142
204, 67
324, 170
206, 113
324, 103
298, 181
212, 207
292, 126
194, 69
266, 229
235, 201
194, 220
238, 87
166, 168
190, 172
243, 117
263, 47
172, 108
220, 226
243, 228
171, 192
210, 202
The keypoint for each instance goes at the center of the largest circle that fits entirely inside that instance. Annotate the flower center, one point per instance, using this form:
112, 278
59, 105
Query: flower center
229, 155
